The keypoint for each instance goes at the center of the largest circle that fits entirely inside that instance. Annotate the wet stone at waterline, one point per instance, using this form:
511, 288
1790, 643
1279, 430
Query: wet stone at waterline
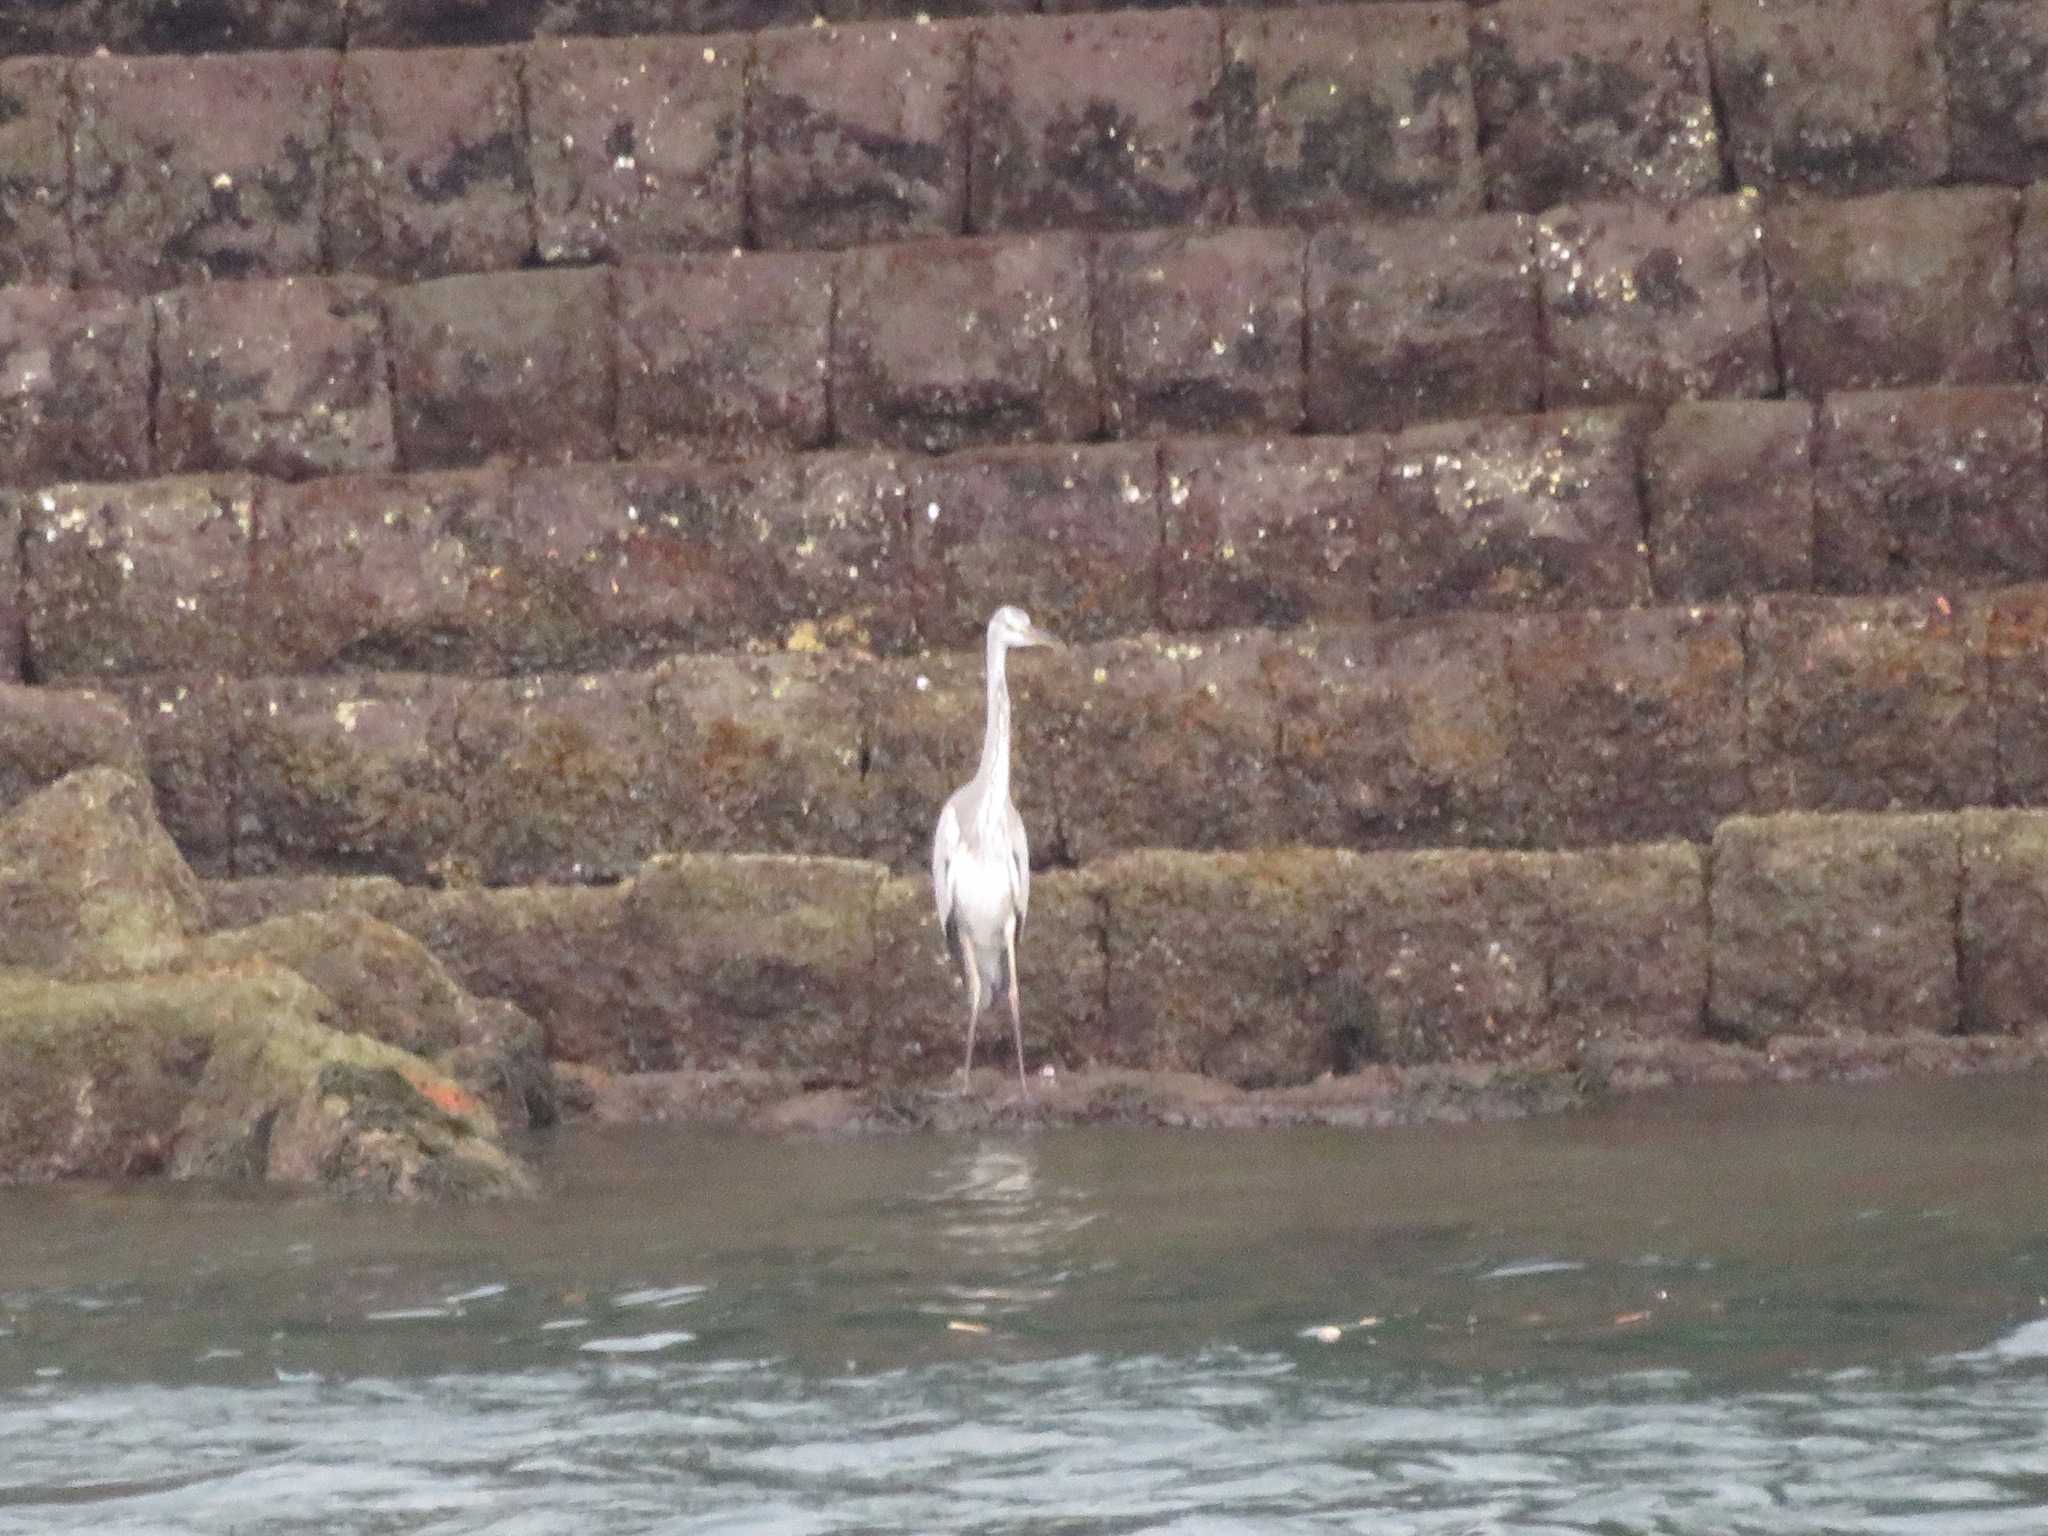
1631, 945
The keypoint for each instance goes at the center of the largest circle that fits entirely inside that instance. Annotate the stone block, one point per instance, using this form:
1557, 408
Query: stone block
440, 23
1830, 923
169, 187
212, 26
2015, 644
1201, 331
283, 376
724, 352
2004, 921
1901, 288
919, 725
636, 145
1629, 724
1729, 490
1655, 301
947, 344
46, 733
2030, 280
502, 365
1070, 534
1515, 511
190, 726
405, 573
430, 169
136, 577
858, 135
633, 18
1393, 735
1630, 942
1098, 122
74, 384
1867, 704
1594, 98
1997, 57
1270, 531
13, 599
350, 775
1832, 96
559, 777
1346, 110
1415, 319
1925, 487
35, 173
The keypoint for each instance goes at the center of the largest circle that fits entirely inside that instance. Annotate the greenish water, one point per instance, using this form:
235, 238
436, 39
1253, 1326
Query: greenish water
1799, 1310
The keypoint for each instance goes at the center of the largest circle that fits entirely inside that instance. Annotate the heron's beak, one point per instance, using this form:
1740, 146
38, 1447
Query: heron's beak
1036, 636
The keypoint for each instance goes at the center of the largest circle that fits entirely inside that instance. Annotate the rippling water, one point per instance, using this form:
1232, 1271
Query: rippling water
1809, 1310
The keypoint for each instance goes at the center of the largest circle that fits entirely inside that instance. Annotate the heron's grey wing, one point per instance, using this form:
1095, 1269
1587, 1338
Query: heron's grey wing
945, 847
1020, 868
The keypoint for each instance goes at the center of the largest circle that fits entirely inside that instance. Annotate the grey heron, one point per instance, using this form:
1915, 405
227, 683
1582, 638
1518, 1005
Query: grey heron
981, 863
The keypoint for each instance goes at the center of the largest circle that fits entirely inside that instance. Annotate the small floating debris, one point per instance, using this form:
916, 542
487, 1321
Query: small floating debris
1630, 1319
637, 1344
1323, 1333
962, 1325
1048, 1072
659, 1296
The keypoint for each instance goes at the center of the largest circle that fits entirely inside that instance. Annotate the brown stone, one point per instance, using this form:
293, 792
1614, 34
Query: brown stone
1629, 927
1830, 923
1629, 724
191, 731
1901, 288
125, 579
1200, 332
1415, 319
440, 23
724, 352
2004, 919
1594, 98
430, 172
515, 365
1917, 488
1515, 511
74, 384
1729, 491
2030, 280
170, 187
1272, 531
46, 733
1655, 301
35, 175
1352, 111
948, 344
1833, 96
636, 145
284, 376
1997, 56
1071, 534
2015, 642
1866, 704
1104, 121
857, 135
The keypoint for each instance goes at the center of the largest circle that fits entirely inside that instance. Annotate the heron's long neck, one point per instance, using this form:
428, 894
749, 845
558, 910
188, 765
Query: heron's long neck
994, 772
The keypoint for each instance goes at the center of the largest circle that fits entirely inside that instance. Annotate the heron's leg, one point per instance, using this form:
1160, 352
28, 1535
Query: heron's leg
973, 1009
1016, 1008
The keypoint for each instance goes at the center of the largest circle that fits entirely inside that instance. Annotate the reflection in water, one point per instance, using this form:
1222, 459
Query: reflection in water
1004, 1230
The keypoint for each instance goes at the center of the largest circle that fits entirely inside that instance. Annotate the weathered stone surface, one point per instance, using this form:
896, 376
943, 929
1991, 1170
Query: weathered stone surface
46, 733
947, 344
1997, 57
2003, 942
1200, 332
857, 135
13, 601
74, 383
210, 26
724, 352
1901, 288
1272, 532
2015, 642
1830, 923
1655, 301
1629, 942
1515, 511
1070, 534
430, 170
1103, 121
1867, 704
636, 144
2030, 280
1594, 98
170, 187
1629, 724
191, 730
631, 18
35, 174
439, 23
89, 884
515, 365
1916, 488
561, 777
243, 903
1834, 96
1729, 490
1415, 319
1393, 734
349, 775
1351, 111
284, 376
125, 579
389, 987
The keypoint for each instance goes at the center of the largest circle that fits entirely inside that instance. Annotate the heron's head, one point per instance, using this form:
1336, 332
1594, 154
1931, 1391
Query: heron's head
1012, 627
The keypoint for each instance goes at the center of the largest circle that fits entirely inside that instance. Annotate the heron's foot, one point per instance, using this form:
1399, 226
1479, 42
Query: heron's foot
963, 1083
